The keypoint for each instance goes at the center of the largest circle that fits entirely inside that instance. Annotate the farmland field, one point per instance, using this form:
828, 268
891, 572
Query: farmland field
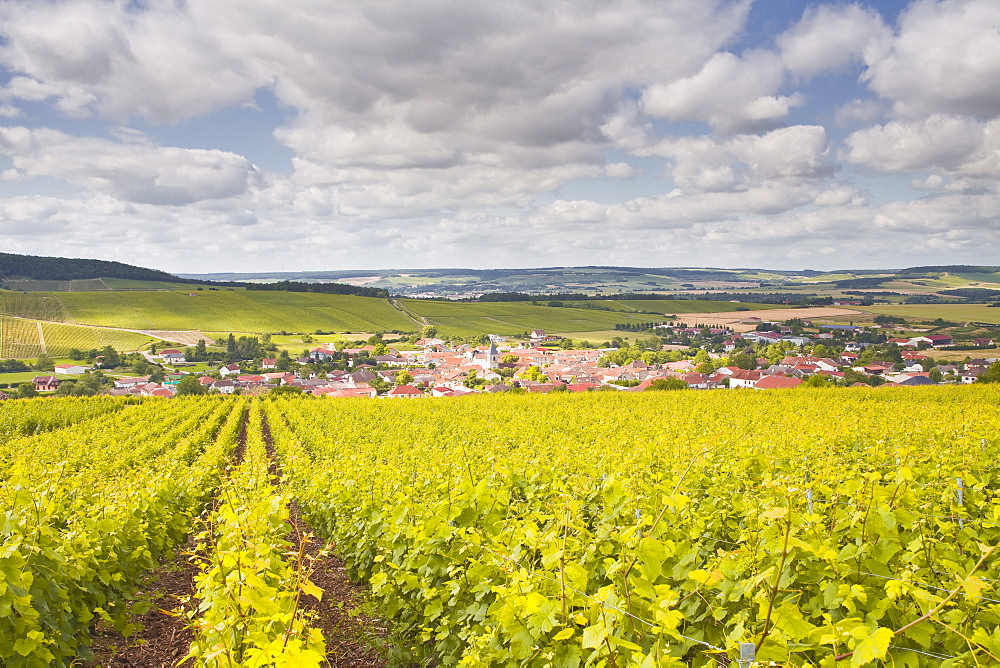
668, 306
222, 310
950, 312
22, 339
511, 318
623, 529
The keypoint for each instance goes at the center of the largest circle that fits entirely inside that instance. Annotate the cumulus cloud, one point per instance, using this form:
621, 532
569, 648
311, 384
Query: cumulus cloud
945, 58
965, 150
781, 158
731, 93
829, 37
413, 124
134, 172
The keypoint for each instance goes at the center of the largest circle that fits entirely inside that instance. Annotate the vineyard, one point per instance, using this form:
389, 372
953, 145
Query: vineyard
22, 339
809, 528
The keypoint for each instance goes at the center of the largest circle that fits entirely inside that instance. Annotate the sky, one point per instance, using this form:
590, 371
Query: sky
198, 136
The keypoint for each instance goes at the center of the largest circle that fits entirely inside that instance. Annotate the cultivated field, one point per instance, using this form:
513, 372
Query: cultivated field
732, 319
222, 310
511, 318
653, 529
23, 339
670, 306
950, 312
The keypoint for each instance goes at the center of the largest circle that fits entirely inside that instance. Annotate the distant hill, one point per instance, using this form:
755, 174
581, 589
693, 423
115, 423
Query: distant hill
40, 268
20, 271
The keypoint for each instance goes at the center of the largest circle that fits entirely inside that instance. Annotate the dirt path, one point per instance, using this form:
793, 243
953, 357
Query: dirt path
41, 339
165, 638
405, 311
350, 639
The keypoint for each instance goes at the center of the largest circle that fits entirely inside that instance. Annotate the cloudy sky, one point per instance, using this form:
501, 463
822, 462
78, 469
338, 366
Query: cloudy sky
234, 135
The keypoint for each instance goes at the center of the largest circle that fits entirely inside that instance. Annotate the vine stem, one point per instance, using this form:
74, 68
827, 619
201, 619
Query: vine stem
935, 609
777, 580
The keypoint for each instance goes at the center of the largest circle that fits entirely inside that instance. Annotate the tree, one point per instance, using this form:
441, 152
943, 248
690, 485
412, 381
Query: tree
284, 362
404, 378
743, 361
190, 386
44, 363
534, 373
991, 375
936, 375
817, 380
428, 332
26, 390
667, 384
111, 358
820, 350
509, 358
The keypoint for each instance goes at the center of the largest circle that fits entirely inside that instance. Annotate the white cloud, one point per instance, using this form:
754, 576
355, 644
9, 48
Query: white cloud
731, 93
945, 58
787, 156
135, 172
956, 146
829, 37
412, 124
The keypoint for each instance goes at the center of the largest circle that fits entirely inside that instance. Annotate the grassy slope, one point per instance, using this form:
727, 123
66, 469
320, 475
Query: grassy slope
222, 311
510, 318
668, 306
19, 338
950, 312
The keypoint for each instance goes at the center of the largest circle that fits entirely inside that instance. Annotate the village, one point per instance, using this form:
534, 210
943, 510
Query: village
772, 356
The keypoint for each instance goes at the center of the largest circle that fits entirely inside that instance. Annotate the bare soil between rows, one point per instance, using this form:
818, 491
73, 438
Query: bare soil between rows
164, 638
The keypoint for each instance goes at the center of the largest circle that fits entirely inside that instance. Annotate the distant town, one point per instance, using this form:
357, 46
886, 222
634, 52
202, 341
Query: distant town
665, 356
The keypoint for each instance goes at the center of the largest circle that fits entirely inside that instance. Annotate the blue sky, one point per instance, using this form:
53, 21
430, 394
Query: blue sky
236, 135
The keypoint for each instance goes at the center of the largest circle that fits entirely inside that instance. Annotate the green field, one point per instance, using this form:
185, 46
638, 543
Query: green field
219, 311
512, 318
668, 306
22, 339
950, 312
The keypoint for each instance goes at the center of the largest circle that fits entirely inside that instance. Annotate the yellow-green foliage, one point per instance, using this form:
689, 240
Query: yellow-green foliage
660, 530
249, 611
88, 509
19, 338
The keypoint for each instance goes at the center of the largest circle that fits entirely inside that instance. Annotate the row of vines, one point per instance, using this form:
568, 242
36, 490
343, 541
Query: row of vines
807, 528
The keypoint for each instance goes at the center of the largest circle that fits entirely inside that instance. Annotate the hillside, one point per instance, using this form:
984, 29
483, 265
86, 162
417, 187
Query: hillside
41, 268
937, 283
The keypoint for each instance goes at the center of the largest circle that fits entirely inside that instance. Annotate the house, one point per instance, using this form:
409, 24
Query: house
224, 386
46, 383
129, 383
324, 354
269, 363
933, 340
404, 392
983, 343
230, 370
741, 378
172, 356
